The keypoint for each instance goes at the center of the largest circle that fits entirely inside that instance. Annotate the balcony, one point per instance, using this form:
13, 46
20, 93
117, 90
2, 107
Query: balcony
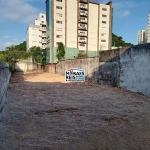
83, 14
43, 46
43, 41
42, 23
42, 29
82, 35
82, 21
83, 7
43, 35
82, 42
83, 1
82, 28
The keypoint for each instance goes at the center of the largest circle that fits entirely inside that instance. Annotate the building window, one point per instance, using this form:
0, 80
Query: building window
103, 34
104, 22
58, 14
82, 25
82, 11
34, 36
82, 44
59, 36
81, 4
42, 16
58, 29
60, 22
103, 40
82, 18
104, 15
104, 28
58, 7
59, 0
82, 38
82, 32
42, 21
104, 9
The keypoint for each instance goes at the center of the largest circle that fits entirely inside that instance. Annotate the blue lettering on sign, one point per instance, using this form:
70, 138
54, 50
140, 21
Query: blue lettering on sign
75, 75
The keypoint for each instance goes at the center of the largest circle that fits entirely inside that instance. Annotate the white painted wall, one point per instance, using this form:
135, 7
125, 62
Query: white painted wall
72, 23
93, 27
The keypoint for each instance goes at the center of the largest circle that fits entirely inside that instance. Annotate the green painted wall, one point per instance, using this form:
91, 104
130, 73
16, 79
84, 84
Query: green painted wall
92, 53
70, 53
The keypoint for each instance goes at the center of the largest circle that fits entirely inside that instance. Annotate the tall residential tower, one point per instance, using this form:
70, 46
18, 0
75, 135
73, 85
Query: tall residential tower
36, 33
141, 37
81, 25
147, 32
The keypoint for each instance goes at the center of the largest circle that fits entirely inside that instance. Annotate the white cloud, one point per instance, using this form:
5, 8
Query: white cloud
120, 11
124, 4
17, 10
126, 13
8, 44
123, 14
6, 37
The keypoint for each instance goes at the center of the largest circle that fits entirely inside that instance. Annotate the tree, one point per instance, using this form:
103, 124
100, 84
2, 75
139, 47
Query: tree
11, 48
60, 51
118, 41
38, 55
21, 46
10, 56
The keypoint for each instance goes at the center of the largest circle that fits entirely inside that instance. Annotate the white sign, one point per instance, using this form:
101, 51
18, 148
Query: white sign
75, 75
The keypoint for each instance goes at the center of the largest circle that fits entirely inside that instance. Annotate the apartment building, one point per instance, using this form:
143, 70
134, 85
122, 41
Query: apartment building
147, 31
36, 33
141, 37
81, 25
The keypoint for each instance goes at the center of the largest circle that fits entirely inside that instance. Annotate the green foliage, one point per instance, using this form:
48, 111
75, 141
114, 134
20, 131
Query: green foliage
118, 41
20, 47
38, 55
10, 56
82, 55
60, 51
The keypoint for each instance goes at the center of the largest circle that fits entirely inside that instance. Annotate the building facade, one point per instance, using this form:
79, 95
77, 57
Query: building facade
141, 38
147, 32
36, 33
81, 25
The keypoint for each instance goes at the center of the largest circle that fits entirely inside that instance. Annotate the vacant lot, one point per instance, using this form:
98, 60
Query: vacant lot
45, 113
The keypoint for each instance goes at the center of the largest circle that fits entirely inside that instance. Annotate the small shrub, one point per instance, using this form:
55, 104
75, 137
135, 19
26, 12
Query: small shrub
82, 55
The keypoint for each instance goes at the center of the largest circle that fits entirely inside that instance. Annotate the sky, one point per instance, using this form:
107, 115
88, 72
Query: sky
129, 16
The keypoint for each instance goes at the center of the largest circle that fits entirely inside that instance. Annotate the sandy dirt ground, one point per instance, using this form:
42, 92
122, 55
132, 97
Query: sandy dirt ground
45, 113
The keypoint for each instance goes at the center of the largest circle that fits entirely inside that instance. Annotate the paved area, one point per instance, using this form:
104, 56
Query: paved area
45, 113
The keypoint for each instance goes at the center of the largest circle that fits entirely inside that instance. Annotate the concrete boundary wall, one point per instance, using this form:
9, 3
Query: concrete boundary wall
4, 82
125, 67
24, 66
88, 64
